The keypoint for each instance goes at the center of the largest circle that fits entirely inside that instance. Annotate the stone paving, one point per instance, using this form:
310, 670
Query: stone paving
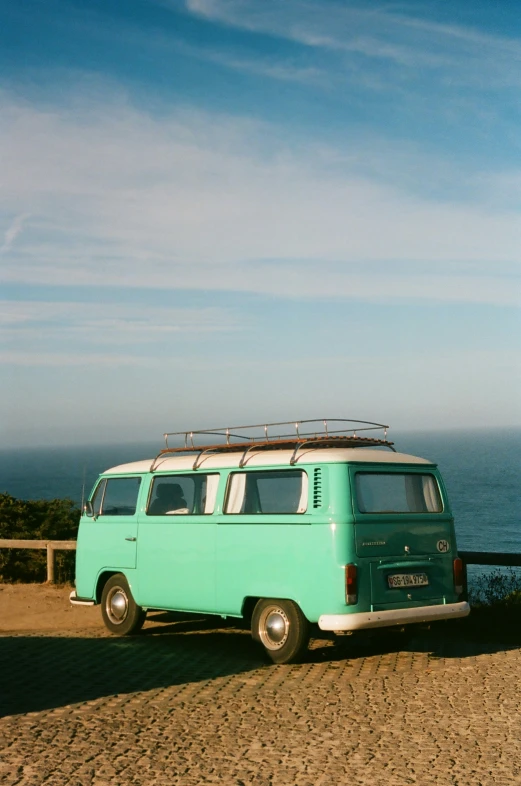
190, 703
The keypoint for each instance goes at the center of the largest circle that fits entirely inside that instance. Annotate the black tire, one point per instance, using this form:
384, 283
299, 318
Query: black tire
281, 628
120, 613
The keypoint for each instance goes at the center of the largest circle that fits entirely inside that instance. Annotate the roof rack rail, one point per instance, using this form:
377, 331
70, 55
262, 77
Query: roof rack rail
332, 432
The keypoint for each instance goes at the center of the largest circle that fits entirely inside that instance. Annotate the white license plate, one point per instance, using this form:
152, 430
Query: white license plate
407, 580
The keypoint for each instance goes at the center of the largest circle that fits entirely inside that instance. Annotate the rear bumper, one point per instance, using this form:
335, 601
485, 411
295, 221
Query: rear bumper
383, 619
73, 598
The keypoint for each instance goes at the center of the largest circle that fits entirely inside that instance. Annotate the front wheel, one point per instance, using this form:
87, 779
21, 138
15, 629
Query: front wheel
119, 610
281, 628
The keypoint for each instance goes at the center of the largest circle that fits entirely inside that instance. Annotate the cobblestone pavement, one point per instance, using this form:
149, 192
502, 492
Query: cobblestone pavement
189, 703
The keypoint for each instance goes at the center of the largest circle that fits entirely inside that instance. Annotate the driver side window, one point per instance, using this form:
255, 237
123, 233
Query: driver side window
116, 497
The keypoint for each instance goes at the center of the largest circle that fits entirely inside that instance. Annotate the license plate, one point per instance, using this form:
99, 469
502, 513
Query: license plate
407, 580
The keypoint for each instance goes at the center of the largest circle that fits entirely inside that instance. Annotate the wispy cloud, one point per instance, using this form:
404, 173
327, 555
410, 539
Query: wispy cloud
386, 33
110, 324
12, 232
75, 359
191, 200
272, 68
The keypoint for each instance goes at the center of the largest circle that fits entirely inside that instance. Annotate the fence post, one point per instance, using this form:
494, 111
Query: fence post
465, 594
50, 563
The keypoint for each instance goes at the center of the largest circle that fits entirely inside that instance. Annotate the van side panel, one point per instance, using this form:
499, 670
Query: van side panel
300, 557
176, 562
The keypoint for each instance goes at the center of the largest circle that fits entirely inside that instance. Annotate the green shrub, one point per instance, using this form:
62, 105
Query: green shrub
498, 588
55, 519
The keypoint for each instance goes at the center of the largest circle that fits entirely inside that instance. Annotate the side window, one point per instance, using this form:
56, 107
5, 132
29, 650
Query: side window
116, 497
178, 495
267, 492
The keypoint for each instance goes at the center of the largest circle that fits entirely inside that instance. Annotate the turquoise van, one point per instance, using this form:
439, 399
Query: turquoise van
325, 526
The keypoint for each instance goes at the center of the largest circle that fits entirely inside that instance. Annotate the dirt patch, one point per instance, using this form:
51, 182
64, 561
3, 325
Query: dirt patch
34, 607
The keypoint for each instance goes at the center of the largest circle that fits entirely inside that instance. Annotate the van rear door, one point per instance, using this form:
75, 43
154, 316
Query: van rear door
404, 533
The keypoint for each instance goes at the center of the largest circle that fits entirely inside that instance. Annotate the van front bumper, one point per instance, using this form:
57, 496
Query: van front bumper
73, 598
383, 619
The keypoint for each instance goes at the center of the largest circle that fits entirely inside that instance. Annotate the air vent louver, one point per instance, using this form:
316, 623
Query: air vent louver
317, 488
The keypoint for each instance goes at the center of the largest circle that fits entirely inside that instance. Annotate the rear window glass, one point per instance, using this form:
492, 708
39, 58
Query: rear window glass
381, 492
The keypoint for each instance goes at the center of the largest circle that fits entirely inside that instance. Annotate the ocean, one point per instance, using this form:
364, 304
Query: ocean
481, 469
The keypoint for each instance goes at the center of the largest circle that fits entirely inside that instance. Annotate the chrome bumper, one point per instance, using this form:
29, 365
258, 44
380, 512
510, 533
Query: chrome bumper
73, 598
383, 619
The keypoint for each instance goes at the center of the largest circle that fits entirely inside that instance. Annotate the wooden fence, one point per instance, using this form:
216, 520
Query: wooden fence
50, 545
501, 558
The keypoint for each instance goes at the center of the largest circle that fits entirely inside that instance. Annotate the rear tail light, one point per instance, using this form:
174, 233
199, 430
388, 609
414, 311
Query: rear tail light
351, 585
459, 575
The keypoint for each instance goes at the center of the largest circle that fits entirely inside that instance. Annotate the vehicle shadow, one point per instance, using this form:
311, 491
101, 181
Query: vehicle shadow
455, 639
43, 672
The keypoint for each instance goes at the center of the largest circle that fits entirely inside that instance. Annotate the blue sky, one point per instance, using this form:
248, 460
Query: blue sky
226, 210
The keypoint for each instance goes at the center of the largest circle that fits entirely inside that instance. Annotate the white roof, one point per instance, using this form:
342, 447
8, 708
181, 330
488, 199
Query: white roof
268, 458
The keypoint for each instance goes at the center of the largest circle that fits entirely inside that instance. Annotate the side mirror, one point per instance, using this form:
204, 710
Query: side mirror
88, 509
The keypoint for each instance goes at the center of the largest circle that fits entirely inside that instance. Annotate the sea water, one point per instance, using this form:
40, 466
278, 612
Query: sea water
481, 471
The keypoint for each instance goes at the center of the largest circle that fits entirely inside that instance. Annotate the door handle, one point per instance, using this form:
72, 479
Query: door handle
132, 539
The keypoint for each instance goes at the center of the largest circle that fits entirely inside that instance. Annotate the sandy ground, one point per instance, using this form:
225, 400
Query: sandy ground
33, 607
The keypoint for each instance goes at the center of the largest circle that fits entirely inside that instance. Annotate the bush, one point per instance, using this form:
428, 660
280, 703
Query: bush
55, 519
499, 588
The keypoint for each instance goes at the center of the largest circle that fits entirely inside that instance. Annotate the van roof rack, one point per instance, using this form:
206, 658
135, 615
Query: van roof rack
325, 433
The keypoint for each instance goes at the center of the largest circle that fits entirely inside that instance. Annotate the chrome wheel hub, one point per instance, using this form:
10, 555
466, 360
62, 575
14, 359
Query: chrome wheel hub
117, 605
274, 628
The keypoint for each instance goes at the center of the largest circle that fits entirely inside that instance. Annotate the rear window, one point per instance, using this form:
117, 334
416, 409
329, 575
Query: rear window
386, 492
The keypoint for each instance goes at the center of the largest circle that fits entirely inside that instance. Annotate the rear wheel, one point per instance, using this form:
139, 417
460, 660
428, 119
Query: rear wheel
281, 628
119, 610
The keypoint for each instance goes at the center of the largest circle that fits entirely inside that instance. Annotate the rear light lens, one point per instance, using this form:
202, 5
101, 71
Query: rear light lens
351, 585
459, 575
